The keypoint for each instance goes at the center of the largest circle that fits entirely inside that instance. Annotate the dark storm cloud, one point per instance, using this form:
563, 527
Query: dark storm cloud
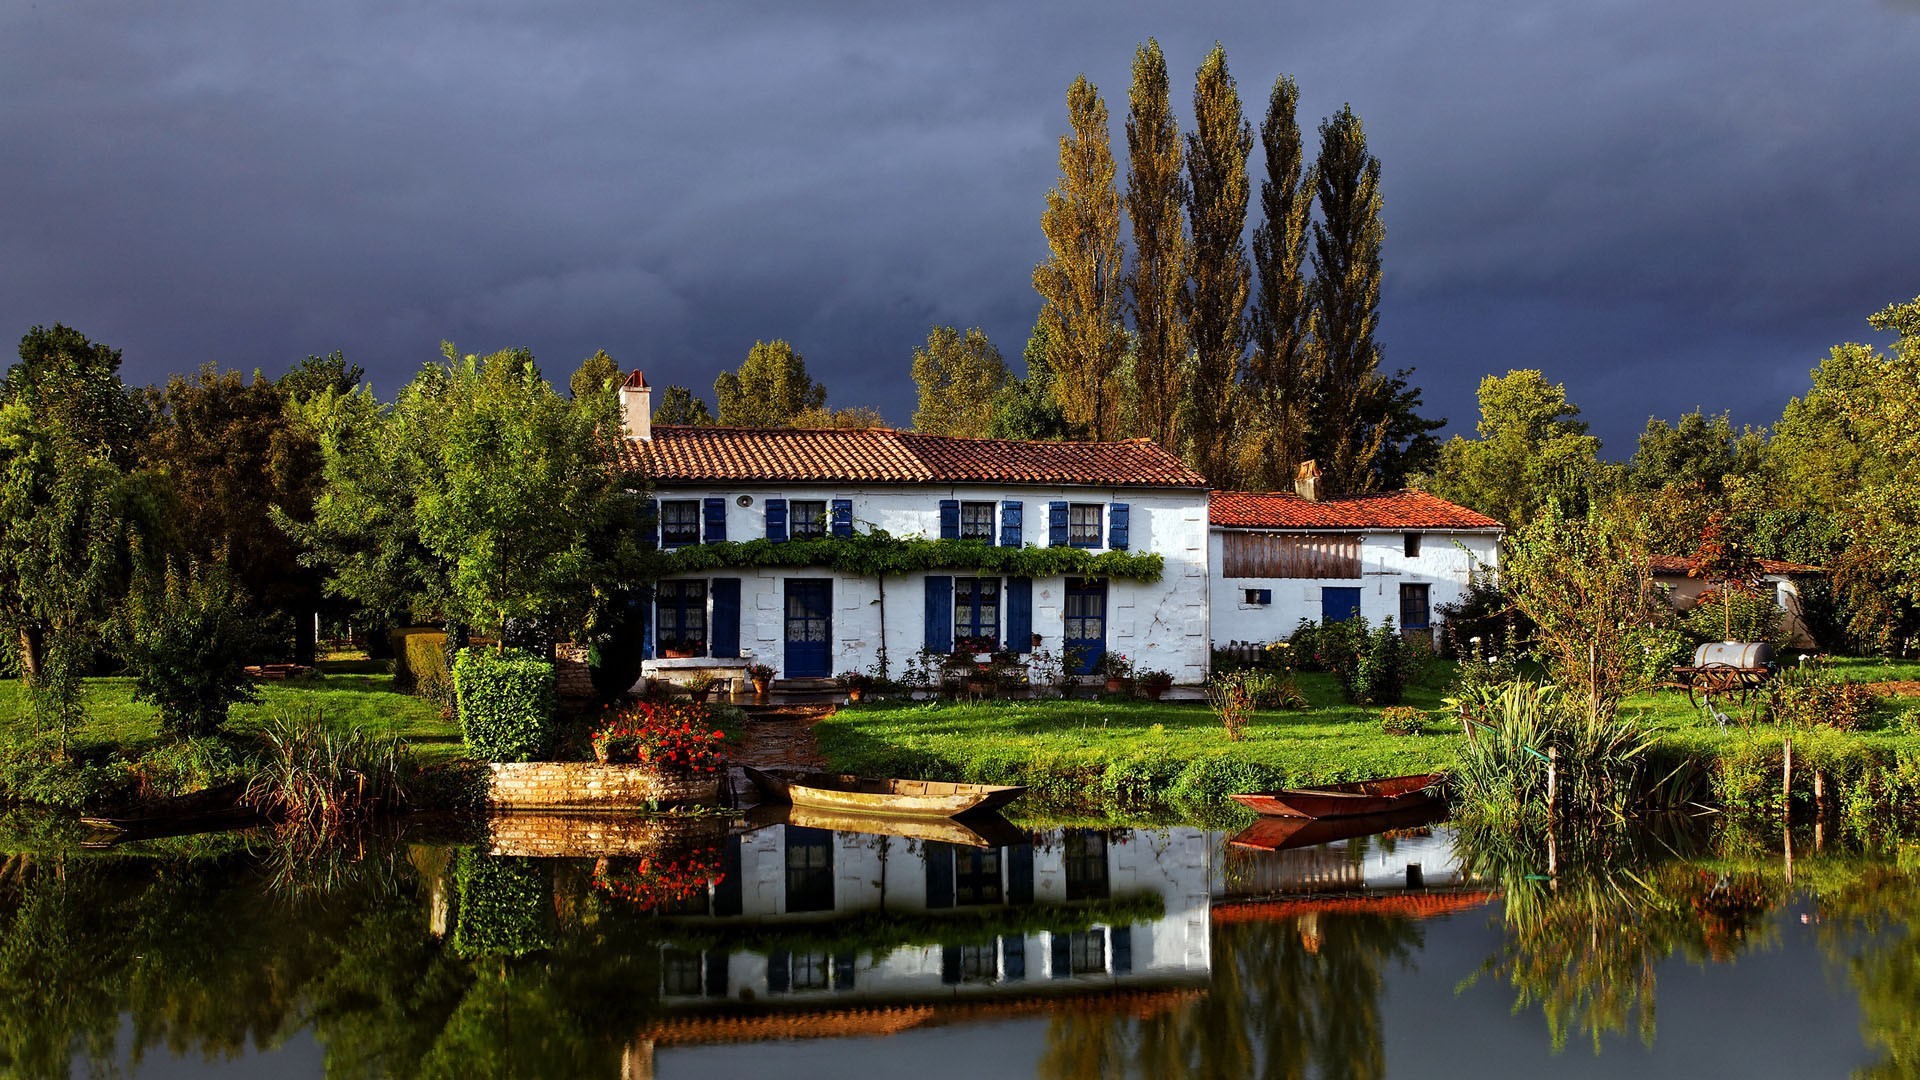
1663, 205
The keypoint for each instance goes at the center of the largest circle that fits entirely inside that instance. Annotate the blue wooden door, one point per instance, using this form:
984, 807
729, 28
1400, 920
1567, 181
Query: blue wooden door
1339, 603
1086, 635
809, 628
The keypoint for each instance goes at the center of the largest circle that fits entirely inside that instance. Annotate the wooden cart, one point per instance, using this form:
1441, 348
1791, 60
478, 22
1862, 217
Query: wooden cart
1725, 669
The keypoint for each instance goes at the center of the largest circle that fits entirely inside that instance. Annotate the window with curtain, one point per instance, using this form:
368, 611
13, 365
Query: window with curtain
682, 607
976, 614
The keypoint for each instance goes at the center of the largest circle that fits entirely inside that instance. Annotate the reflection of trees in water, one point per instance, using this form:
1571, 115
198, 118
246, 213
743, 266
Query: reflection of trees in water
1870, 925
1291, 998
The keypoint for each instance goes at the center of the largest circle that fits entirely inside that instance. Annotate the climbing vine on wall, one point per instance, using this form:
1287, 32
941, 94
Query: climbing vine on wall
878, 553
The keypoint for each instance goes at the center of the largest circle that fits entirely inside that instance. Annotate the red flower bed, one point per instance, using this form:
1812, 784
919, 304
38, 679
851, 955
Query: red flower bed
655, 881
678, 737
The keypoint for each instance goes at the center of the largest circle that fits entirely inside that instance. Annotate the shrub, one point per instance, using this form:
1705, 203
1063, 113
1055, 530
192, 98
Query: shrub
1231, 694
1303, 647
1402, 720
1662, 648
504, 905
681, 738
424, 656
321, 778
506, 704
1813, 695
1373, 665
1274, 690
1511, 732
1754, 617
185, 637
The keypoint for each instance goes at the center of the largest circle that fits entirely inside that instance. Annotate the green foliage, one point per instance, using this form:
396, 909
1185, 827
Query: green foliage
1231, 700
506, 704
1081, 283
1402, 720
321, 778
1532, 450
1817, 695
1221, 277
678, 405
1514, 731
1373, 664
958, 376
770, 389
185, 637
597, 375
1156, 282
420, 664
875, 553
318, 375
505, 905
1735, 615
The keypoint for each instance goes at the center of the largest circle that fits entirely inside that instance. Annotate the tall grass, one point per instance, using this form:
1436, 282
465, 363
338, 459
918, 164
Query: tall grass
1520, 733
322, 780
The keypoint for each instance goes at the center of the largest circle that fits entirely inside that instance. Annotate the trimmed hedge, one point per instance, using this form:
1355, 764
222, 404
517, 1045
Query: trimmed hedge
424, 658
505, 906
506, 704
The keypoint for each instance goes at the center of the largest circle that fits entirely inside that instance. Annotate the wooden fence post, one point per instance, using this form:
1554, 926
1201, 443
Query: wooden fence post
1786, 780
1553, 779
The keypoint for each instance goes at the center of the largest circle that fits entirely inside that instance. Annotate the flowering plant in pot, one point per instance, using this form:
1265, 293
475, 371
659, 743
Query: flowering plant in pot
678, 738
1155, 683
1117, 669
651, 882
855, 682
700, 686
761, 675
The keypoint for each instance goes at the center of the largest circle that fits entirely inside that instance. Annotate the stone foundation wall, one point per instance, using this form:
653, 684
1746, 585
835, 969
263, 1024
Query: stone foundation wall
572, 679
575, 835
590, 786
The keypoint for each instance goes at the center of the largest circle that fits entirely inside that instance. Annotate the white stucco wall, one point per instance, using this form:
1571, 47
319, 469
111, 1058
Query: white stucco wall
1444, 564
1162, 625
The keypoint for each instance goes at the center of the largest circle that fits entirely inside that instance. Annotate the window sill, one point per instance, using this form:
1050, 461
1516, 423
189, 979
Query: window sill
694, 663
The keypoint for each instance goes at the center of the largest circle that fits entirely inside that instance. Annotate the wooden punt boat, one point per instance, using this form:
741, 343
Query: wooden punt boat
1345, 800
842, 793
981, 829
199, 811
1288, 833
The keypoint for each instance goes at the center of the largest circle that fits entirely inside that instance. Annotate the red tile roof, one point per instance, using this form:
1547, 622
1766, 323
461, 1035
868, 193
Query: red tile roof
690, 455
1676, 566
1384, 510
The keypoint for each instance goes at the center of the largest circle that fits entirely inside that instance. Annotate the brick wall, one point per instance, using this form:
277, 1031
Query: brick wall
586, 785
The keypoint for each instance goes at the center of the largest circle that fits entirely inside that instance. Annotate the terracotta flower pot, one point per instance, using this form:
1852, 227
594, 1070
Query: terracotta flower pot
759, 688
854, 693
699, 696
1116, 685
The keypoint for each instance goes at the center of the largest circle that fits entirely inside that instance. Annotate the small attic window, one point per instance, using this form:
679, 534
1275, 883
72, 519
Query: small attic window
1412, 541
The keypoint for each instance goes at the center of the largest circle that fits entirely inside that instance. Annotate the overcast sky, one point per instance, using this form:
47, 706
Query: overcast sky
1663, 205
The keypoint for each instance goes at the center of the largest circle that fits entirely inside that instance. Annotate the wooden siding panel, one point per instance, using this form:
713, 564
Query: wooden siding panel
1290, 555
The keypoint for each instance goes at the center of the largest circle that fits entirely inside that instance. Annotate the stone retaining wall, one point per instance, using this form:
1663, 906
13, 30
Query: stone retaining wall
589, 786
572, 678
575, 835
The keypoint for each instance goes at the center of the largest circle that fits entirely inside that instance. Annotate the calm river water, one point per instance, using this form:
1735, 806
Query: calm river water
781, 948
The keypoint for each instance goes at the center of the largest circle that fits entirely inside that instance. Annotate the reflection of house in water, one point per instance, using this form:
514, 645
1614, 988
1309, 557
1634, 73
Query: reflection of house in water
805, 917
1411, 859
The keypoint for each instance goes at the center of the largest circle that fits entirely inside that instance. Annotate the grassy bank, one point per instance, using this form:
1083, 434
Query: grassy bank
1124, 758
117, 750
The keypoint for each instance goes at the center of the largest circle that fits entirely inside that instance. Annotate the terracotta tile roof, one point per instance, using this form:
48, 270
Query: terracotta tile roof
1676, 566
1384, 510
690, 455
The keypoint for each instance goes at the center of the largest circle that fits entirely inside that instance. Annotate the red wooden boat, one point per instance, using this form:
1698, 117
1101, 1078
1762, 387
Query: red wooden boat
1288, 833
1345, 800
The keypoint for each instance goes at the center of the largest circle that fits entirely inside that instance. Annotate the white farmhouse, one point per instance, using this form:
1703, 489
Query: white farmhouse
715, 484
1281, 557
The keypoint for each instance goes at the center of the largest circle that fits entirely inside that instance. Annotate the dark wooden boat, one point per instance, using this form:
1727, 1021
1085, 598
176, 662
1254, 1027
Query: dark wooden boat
846, 794
1287, 833
197, 811
1345, 800
981, 828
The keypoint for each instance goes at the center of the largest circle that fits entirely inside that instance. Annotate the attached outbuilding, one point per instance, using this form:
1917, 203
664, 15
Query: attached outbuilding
1779, 579
1281, 557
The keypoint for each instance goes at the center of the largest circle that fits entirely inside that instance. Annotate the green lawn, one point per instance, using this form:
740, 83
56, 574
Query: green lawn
1127, 756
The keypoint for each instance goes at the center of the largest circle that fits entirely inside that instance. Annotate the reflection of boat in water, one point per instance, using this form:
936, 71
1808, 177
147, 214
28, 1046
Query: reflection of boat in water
1287, 833
1354, 799
207, 810
1405, 904
978, 829
843, 793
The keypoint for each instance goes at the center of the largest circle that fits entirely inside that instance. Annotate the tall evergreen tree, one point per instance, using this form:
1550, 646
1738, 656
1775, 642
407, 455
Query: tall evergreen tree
1081, 281
769, 390
958, 376
1280, 382
1156, 195
1346, 302
1220, 276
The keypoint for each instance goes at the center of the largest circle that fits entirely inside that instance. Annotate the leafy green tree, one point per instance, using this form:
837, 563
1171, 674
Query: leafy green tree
72, 388
1699, 453
1281, 382
1827, 445
958, 376
1026, 408
1408, 447
1885, 509
317, 374
678, 405
1156, 199
769, 390
597, 374
1081, 282
185, 634
851, 418
1220, 276
1533, 449
1346, 301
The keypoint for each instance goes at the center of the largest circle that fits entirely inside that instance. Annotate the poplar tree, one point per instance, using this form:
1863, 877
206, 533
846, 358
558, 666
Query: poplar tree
1156, 195
1081, 281
1220, 277
1281, 380
1346, 302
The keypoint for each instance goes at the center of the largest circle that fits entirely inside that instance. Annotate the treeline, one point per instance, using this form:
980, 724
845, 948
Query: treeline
178, 532
1834, 483
1245, 363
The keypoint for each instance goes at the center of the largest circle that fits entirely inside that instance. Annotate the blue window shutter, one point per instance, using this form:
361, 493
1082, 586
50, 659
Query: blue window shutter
650, 523
1119, 516
843, 517
949, 519
1020, 614
940, 613
714, 529
1020, 873
1120, 950
776, 519
646, 624
1062, 950
726, 617
1010, 523
938, 856
1056, 524
842, 971
779, 972
1013, 957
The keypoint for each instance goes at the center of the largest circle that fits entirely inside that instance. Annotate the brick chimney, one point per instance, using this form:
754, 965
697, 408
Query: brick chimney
636, 406
1306, 481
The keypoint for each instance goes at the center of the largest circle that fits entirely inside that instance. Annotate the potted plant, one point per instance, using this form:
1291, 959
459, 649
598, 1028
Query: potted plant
1118, 670
700, 686
855, 683
1156, 683
676, 648
761, 675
